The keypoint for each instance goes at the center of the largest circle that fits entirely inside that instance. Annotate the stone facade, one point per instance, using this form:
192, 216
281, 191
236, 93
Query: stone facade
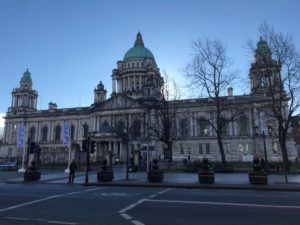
135, 79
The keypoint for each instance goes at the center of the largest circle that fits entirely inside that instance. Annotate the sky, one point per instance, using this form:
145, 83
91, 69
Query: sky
69, 46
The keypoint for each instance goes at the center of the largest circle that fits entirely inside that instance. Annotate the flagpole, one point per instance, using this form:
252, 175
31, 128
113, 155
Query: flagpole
68, 170
22, 169
67, 143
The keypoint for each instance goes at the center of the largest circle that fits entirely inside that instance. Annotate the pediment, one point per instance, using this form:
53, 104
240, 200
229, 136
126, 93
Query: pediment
118, 102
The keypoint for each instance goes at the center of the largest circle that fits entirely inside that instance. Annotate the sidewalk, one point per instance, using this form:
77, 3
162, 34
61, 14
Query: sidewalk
237, 181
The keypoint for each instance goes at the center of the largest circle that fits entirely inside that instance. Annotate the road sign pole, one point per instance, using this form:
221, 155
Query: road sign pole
147, 158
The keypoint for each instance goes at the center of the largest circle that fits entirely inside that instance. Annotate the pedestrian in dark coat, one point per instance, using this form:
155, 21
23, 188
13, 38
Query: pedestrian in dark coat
72, 168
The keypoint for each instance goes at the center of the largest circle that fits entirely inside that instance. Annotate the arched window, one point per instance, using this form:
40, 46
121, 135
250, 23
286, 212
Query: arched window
137, 125
85, 130
202, 124
72, 132
243, 125
57, 132
45, 133
32, 133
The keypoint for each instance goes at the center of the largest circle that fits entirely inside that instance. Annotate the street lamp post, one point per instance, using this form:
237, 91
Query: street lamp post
88, 150
87, 160
265, 149
53, 158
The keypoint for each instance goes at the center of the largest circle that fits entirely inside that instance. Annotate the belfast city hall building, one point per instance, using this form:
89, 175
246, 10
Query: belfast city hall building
135, 79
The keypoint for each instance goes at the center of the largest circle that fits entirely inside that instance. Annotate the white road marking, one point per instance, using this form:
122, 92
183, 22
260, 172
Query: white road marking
126, 216
224, 204
15, 218
45, 199
164, 191
159, 193
115, 194
136, 222
78, 192
62, 222
132, 206
152, 196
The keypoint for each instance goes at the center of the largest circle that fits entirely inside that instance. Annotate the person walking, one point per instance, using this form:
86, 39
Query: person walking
72, 168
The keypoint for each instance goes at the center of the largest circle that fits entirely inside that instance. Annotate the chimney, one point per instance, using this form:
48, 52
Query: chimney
230, 92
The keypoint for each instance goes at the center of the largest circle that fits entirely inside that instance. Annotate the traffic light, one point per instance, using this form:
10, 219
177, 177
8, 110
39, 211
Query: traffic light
85, 145
93, 146
32, 147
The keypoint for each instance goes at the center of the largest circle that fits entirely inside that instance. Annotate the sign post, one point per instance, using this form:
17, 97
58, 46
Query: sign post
21, 139
66, 143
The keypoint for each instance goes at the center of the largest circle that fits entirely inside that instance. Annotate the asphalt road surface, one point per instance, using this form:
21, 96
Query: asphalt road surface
43, 204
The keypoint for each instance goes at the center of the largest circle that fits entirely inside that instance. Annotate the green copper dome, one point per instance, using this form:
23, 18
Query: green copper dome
138, 51
26, 77
262, 47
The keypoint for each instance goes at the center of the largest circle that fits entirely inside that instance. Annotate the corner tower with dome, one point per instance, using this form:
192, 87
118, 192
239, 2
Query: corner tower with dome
135, 80
24, 98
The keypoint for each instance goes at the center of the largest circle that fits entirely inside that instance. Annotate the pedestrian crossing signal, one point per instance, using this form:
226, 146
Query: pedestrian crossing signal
32, 147
85, 145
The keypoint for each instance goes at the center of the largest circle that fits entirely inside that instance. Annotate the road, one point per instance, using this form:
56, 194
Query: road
74, 204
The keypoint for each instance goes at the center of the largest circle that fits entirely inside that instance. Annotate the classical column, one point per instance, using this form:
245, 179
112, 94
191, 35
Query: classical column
121, 151
140, 82
191, 122
134, 83
114, 84
123, 88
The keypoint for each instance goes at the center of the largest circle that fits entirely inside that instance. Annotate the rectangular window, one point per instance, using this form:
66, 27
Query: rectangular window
184, 127
227, 148
274, 148
200, 149
244, 148
207, 148
181, 149
202, 127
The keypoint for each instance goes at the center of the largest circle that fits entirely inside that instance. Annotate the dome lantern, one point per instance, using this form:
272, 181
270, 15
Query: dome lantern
138, 51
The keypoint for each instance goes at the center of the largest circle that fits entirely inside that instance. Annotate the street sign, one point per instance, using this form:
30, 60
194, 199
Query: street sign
21, 137
66, 134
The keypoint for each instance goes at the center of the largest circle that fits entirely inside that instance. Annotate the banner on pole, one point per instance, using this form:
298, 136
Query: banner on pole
66, 135
21, 137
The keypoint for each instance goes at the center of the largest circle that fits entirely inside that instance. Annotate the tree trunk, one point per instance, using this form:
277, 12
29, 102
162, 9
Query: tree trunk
221, 150
169, 152
285, 159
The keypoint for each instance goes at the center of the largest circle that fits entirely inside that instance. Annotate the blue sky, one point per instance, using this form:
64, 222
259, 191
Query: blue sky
70, 45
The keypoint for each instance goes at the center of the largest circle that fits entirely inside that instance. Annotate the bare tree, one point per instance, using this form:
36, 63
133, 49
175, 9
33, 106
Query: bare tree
161, 121
210, 73
282, 74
